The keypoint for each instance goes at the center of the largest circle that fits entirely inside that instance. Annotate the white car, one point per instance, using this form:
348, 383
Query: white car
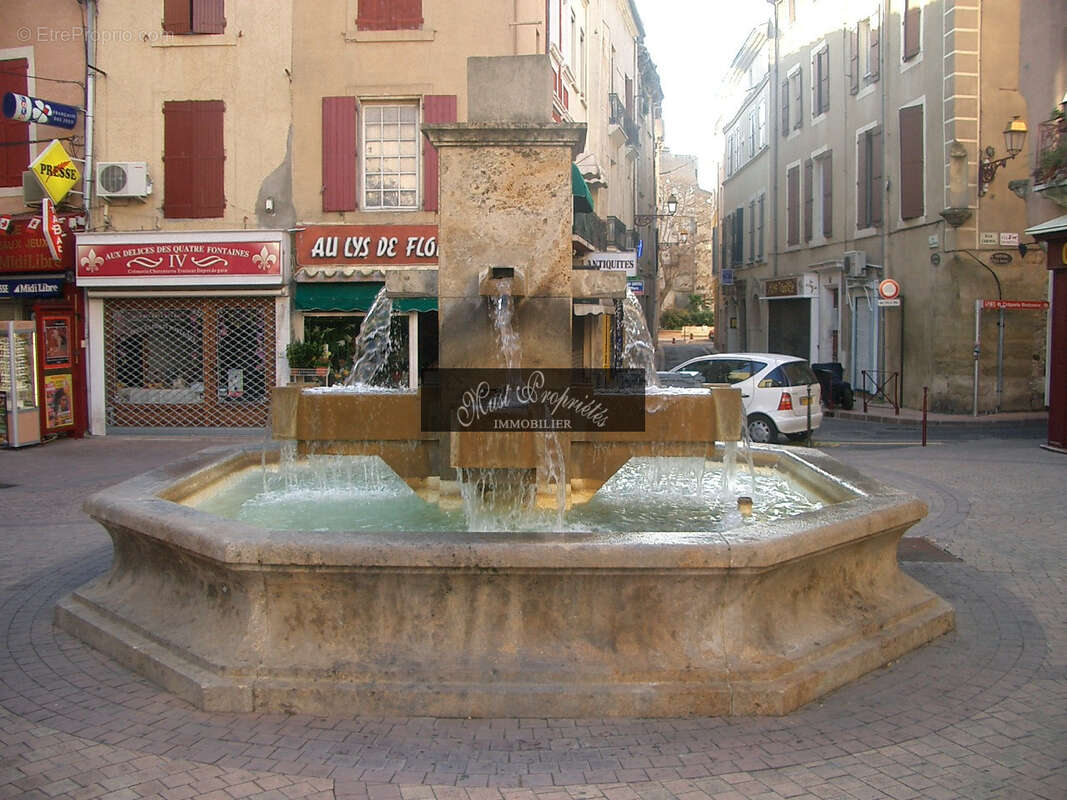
775, 390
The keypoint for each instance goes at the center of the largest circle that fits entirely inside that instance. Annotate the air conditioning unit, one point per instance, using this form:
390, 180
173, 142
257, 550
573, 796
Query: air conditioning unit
32, 193
855, 263
123, 179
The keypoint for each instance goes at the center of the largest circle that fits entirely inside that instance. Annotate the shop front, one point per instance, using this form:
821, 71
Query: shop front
789, 314
185, 328
340, 271
44, 360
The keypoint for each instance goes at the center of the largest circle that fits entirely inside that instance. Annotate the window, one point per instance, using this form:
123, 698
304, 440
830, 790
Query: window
820, 82
738, 238
912, 23
911, 162
796, 99
582, 61
389, 15
390, 156
14, 144
864, 56
869, 178
193, 159
809, 198
194, 16
373, 152
793, 206
761, 125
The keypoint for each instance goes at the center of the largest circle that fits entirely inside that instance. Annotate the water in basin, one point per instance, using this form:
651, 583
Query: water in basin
360, 493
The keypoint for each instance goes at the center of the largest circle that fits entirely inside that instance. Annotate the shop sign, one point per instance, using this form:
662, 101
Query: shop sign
1015, 305
405, 245
619, 261
727, 277
31, 287
55, 171
1001, 259
52, 230
637, 287
23, 108
782, 287
108, 264
24, 247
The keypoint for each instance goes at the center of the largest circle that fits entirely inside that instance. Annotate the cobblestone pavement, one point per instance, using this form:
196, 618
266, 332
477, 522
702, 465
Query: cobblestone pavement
979, 713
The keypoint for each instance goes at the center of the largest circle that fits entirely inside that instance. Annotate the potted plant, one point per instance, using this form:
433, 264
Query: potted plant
309, 360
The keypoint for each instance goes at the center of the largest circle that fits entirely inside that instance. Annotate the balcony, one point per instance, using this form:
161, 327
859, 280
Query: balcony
622, 118
589, 233
618, 235
1050, 175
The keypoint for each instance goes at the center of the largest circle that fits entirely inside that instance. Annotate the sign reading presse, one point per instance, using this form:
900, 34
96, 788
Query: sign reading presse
55, 171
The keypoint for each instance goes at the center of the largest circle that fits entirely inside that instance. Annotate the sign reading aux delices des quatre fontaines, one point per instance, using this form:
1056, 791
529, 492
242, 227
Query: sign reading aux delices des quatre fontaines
104, 264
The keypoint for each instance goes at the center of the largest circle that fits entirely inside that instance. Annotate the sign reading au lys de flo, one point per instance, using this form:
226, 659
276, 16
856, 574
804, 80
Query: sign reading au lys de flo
55, 171
319, 245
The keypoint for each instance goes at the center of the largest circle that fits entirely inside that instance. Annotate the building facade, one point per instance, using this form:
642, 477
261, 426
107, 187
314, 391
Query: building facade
879, 115
265, 182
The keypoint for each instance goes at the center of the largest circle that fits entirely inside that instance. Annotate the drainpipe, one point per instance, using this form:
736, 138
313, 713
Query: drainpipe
90, 104
775, 135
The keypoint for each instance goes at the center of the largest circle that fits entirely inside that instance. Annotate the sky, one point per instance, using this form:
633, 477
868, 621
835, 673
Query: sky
692, 43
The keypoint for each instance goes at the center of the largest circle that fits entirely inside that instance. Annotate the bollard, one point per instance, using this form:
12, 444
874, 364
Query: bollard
808, 437
924, 415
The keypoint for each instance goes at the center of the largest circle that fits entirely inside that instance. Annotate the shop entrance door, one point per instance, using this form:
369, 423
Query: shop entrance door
61, 370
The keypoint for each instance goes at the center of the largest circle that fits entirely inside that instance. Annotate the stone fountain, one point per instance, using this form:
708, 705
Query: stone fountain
756, 620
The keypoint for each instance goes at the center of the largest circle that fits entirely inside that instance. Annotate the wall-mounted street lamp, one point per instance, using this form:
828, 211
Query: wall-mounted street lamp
1014, 139
646, 219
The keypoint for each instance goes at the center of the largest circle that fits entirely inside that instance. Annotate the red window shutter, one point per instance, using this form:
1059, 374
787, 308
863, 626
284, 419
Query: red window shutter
877, 174
827, 195
793, 211
911, 162
209, 16
339, 153
389, 15
210, 197
854, 60
435, 108
809, 199
179, 155
194, 159
911, 30
785, 108
177, 16
14, 158
863, 171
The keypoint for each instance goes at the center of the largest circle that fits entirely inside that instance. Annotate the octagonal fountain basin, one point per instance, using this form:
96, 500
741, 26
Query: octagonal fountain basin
747, 617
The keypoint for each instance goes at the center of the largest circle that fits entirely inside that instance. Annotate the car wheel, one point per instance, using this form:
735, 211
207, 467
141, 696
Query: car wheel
762, 430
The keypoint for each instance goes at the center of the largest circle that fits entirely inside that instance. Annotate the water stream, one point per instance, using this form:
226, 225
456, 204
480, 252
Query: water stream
374, 342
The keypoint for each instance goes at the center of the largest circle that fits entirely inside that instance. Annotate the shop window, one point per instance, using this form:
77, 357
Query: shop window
372, 153
389, 15
194, 16
241, 355
193, 159
912, 204
14, 144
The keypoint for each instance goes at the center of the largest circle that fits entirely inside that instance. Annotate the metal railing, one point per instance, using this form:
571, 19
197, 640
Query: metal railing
621, 117
1051, 152
618, 234
591, 228
881, 385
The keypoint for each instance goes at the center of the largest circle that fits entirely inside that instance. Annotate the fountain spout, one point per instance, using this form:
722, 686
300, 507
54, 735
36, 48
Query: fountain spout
502, 280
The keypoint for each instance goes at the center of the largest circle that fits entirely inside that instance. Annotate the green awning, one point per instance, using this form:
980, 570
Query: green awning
352, 296
583, 200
